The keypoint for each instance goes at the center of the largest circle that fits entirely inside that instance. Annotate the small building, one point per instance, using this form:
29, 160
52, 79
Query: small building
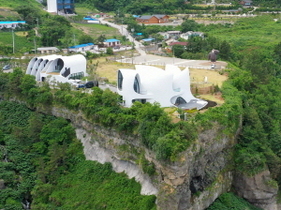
190, 34
89, 19
246, 3
57, 68
148, 40
152, 19
100, 15
47, 50
170, 34
83, 47
11, 24
111, 42
61, 6
178, 43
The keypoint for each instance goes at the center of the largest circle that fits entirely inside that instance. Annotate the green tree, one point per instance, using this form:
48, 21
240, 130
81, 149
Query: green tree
85, 39
178, 50
189, 25
225, 50
109, 51
53, 30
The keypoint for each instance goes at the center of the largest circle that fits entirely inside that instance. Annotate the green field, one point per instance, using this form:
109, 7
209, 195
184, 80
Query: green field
21, 44
256, 32
95, 30
15, 3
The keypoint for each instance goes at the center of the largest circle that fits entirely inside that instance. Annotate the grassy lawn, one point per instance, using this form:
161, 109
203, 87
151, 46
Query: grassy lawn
83, 11
95, 30
6, 14
17, 3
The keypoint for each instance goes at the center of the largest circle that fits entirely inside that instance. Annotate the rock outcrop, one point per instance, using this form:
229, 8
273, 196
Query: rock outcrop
202, 173
193, 182
259, 189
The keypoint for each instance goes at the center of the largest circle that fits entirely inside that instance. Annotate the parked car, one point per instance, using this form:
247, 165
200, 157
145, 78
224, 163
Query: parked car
6, 67
89, 84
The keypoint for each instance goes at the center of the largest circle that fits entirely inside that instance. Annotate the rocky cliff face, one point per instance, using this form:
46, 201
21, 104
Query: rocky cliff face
201, 174
260, 189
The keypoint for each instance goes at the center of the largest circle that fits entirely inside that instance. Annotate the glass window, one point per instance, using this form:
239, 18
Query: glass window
120, 80
77, 75
136, 85
179, 101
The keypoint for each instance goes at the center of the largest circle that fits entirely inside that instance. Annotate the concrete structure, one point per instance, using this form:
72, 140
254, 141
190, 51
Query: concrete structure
150, 19
170, 34
111, 43
57, 68
83, 47
89, 19
52, 6
11, 24
169, 87
63, 6
190, 34
47, 50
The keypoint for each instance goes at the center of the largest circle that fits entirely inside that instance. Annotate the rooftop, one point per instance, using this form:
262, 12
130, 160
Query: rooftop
82, 45
112, 40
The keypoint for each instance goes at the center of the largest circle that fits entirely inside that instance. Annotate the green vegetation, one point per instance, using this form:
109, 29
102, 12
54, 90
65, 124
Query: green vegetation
43, 165
6, 43
230, 201
19, 3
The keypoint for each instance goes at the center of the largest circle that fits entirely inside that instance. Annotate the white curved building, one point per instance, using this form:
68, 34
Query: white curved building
169, 87
57, 68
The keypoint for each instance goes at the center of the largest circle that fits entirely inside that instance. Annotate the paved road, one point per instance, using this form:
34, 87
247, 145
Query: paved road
123, 31
162, 61
147, 59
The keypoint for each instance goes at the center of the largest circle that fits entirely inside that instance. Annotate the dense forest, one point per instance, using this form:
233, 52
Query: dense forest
43, 167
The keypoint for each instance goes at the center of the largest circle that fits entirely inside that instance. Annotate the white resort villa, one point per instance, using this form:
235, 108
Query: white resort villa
57, 68
169, 87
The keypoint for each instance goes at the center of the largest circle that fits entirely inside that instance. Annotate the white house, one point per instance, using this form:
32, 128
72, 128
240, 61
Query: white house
10, 24
83, 47
189, 34
169, 87
111, 42
57, 68
47, 50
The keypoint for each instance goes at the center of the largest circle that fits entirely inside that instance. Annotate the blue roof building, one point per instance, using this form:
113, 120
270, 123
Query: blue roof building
10, 24
148, 39
111, 42
82, 47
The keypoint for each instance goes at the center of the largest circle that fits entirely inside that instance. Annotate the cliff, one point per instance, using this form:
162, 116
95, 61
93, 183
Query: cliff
201, 174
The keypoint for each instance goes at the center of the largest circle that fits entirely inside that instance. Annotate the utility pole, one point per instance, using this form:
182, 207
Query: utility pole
13, 37
35, 47
132, 30
37, 23
74, 39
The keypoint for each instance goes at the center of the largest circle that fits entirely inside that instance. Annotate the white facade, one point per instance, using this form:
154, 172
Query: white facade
57, 68
52, 6
83, 47
169, 87
11, 24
